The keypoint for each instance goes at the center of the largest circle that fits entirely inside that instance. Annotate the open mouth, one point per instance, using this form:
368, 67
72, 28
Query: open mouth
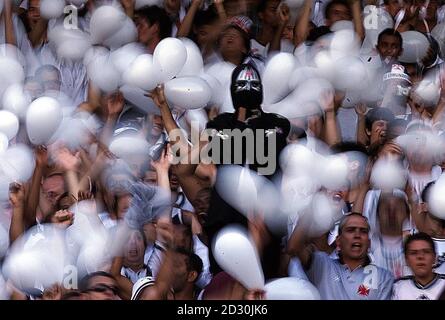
356, 246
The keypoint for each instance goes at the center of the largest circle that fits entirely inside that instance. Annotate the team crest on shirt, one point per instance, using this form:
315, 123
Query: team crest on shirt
363, 290
422, 297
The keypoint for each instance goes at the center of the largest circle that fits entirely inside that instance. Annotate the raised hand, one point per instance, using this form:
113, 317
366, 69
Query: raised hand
16, 195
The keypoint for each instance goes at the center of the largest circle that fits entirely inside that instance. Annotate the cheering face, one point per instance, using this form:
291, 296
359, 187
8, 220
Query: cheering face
420, 258
247, 90
353, 241
389, 46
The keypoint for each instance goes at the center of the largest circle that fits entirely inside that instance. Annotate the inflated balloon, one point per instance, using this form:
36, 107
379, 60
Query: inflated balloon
9, 124
387, 175
123, 57
169, 58
103, 73
126, 34
350, 74
415, 47
4, 142
128, 147
11, 72
222, 71
436, 200
276, 77
105, 22
428, 91
43, 119
237, 255
334, 172
194, 64
325, 64
324, 213
297, 160
291, 289
17, 163
37, 258
188, 92
300, 75
51, 9
16, 100
344, 43
215, 86
71, 44
137, 97
342, 25
141, 73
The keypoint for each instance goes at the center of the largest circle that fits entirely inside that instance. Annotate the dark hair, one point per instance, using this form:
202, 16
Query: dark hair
153, 15
85, 281
194, 262
421, 236
205, 17
354, 151
345, 218
390, 196
390, 32
317, 33
327, 10
377, 114
262, 5
393, 125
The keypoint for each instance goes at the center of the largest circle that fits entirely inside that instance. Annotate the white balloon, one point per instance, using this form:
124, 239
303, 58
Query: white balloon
169, 58
334, 172
11, 72
429, 91
415, 47
18, 163
78, 3
351, 74
237, 255
126, 34
128, 147
297, 160
137, 97
387, 175
276, 77
4, 142
142, 3
141, 73
344, 43
105, 22
43, 119
102, 72
51, 9
37, 258
4, 243
9, 124
301, 74
222, 71
324, 214
215, 86
342, 25
436, 199
188, 92
291, 289
194, 64
16, 100
123, 57
71, 44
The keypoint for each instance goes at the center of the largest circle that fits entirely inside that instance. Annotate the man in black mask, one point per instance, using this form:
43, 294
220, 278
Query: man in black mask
247, 97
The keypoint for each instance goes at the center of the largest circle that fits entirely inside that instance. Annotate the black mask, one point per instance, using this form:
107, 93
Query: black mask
246, 87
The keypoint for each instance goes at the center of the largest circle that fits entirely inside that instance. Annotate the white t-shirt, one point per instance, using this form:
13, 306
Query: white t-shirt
408, 288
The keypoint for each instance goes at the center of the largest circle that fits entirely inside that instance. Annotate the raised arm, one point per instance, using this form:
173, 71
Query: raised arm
297, 245
357, 18
186, 25
9, 25
283, 18
302, 27
17, 200
331, 131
